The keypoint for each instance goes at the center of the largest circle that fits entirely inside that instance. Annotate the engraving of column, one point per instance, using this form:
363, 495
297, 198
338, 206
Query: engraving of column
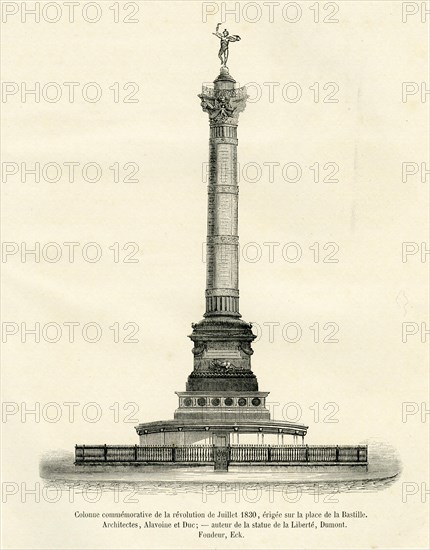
223, 104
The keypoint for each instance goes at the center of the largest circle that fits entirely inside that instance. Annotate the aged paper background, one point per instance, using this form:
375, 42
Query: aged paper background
369, 374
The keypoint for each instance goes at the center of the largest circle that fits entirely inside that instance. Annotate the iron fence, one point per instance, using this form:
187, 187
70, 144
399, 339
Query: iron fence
329, 454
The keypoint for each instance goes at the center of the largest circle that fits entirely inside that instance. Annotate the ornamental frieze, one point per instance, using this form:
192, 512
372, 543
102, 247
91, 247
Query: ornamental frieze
232, 189
223, 239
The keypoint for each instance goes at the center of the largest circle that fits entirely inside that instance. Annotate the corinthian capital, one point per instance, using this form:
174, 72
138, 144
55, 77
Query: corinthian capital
223, 106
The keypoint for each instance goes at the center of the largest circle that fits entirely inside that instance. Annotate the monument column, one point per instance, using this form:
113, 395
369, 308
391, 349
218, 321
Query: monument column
223, 104
222, 341
221, 397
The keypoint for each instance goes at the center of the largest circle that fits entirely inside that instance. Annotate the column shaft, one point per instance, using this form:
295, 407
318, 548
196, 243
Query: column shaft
222, 272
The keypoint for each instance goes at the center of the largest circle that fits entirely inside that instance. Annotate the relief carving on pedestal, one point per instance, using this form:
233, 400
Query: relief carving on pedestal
219, 365
246, 348
199, 349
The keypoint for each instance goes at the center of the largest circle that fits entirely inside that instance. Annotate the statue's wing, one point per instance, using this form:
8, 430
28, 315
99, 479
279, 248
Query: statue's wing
234, 38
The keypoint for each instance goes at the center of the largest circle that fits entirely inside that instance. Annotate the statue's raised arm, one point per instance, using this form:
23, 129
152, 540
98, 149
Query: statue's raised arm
216, 33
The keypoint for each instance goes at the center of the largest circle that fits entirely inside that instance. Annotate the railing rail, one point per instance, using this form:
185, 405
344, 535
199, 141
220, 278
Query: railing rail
330, 454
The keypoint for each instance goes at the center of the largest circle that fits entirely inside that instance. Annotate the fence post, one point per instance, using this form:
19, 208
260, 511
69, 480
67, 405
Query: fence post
105, 452
135, 453
173, 453
269, 454
337, 453
307, 453
358, 454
